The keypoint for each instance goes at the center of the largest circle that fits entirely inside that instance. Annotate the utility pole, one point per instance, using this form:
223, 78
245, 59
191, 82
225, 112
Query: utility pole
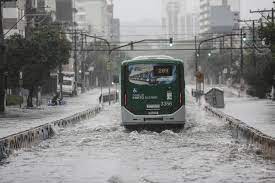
2, 64
253, 40
75, 62
254, 43
196, 64
196, 54
231, 51
241, 73
273, 56
28, 8
82, 65
60, 80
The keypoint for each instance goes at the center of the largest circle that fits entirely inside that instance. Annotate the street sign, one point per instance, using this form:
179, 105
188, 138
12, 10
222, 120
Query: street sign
108, 66
200, 77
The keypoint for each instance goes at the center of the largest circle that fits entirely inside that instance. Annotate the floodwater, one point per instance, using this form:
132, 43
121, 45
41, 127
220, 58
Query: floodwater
99, 150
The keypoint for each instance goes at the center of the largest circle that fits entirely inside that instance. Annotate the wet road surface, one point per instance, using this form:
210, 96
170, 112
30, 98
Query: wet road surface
99, 150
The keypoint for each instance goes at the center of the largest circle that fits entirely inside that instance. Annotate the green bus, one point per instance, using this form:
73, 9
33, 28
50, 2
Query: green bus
152, 92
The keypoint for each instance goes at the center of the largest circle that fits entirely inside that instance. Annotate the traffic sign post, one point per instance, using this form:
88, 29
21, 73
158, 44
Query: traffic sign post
199, 82
200, 77
21, 87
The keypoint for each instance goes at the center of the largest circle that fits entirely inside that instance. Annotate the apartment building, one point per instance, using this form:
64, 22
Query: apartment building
14, 18
218, 16
180, 18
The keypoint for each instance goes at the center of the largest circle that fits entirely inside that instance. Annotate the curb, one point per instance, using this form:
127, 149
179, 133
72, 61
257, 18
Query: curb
37, 134
247, 134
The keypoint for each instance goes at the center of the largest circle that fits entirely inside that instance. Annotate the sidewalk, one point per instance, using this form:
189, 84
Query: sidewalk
15, 120
257, 113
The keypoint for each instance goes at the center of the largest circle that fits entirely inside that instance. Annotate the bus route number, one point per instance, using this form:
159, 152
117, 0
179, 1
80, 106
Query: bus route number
166, 104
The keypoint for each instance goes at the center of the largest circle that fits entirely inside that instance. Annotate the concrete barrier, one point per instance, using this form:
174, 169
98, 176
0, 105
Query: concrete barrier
35, 135
247, 134
113, 96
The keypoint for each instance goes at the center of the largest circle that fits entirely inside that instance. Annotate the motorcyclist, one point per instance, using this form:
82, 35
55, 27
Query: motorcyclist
55, 99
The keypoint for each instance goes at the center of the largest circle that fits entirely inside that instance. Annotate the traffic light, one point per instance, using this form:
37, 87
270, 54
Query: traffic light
244, 36
171, 41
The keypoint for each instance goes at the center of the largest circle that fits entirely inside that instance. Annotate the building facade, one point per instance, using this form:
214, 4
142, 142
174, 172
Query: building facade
97, 18
116, 30
180, 18
12, 13
218, 16
64, 11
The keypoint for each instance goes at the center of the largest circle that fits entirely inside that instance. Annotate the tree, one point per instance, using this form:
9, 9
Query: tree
267, 34
259, 79
36, 57
98, 59
16, 59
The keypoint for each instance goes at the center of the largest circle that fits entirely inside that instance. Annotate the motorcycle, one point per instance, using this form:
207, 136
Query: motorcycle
56, 102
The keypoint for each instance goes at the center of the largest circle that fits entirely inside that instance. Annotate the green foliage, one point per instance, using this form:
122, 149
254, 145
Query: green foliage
267, 33
52, 45
214, 65
45, 50
99, 59
14, 100
16, 58
259, 78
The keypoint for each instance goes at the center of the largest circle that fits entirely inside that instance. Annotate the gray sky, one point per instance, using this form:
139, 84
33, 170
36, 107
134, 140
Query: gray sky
134, 10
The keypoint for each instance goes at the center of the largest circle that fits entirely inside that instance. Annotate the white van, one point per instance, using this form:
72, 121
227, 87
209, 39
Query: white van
69, 84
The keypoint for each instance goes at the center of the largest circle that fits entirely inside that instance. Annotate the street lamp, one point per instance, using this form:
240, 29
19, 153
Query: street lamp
209, 54
108, 63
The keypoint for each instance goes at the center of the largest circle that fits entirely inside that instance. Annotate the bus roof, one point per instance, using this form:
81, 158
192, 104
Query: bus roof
154, 57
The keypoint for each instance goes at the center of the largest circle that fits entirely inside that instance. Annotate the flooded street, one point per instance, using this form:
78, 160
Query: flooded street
100, 150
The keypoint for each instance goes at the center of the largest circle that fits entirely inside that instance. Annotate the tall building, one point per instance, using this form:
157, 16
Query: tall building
180, 18
12, 13
109, 20
189, 23
64, 11
115, 35
81, 17
47, 7
16, 13
96, 16
218, 16
171, 17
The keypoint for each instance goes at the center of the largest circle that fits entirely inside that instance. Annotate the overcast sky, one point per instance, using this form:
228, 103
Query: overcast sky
134, 10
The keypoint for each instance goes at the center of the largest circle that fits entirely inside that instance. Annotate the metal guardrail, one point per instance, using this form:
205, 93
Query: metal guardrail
35, 135
247, 134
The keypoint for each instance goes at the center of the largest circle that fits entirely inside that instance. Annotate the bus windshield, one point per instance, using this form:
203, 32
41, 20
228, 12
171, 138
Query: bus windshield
152, 74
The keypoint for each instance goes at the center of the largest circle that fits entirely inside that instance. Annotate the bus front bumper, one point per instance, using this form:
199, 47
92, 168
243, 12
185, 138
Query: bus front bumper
176, 118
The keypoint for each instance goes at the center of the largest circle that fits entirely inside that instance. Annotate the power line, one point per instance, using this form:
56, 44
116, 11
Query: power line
172, 49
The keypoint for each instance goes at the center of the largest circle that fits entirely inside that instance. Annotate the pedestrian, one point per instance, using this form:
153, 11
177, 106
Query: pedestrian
100, 98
